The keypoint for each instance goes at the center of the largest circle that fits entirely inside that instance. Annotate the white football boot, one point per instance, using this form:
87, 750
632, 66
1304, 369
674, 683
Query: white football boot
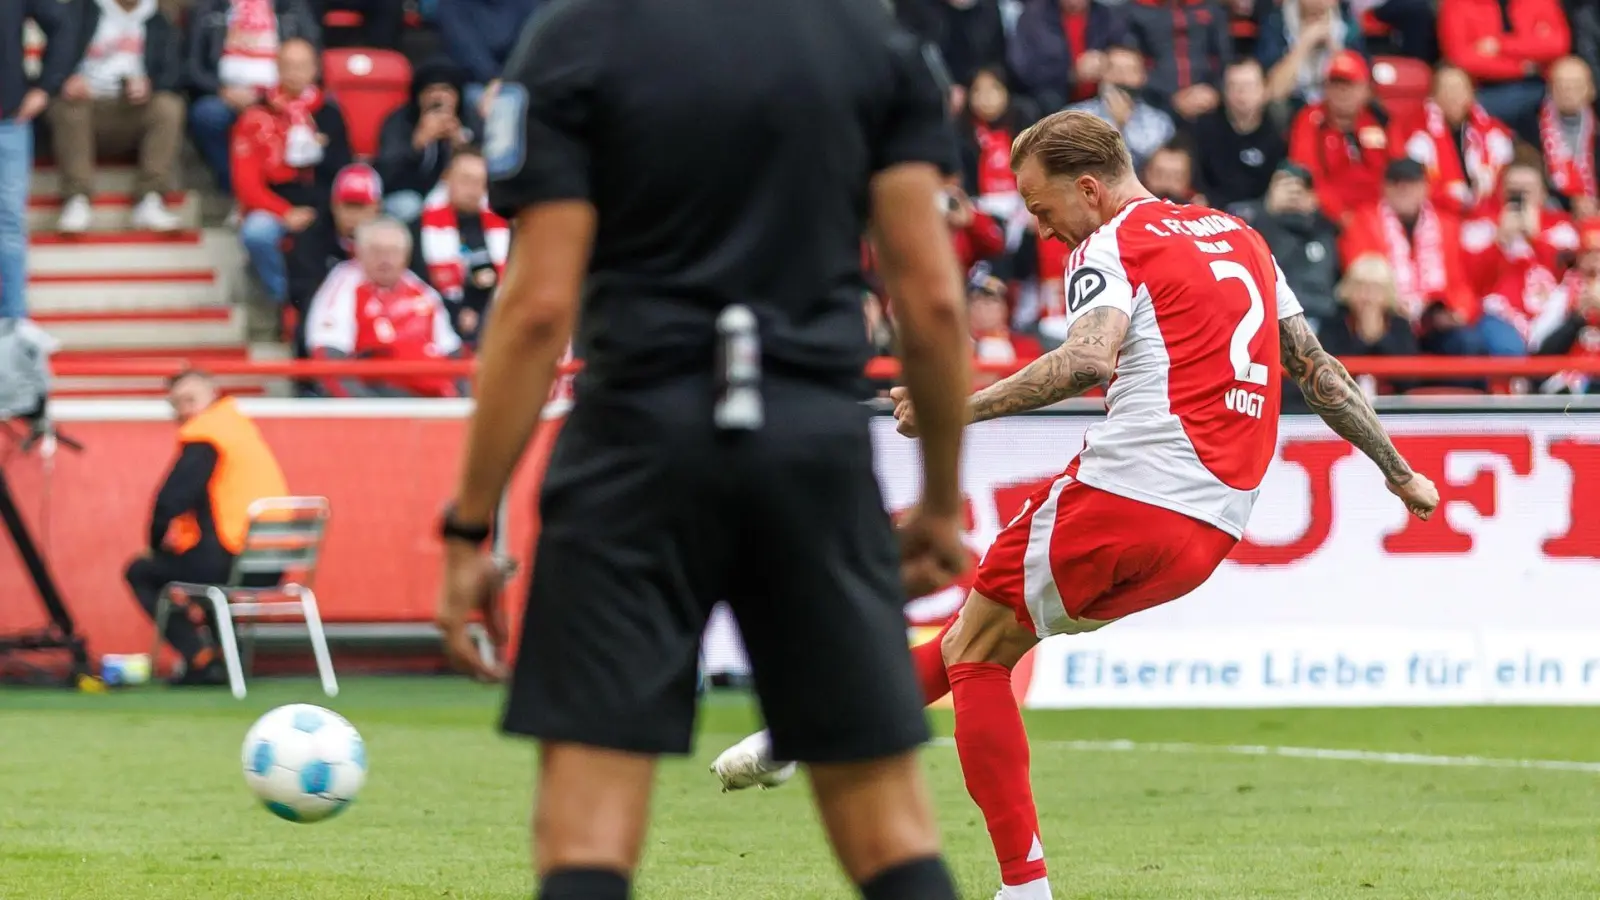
749, 764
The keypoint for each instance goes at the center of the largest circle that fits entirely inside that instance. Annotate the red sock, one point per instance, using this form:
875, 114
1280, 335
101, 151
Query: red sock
929, 661
994, 759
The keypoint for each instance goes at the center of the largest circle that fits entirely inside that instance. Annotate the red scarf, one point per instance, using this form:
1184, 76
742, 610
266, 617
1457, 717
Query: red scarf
1570, 169
1485, 143
441, 249
994, 160
1418, 262
299, 110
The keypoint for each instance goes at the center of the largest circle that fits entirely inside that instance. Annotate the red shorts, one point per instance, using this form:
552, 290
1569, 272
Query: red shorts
1077, 557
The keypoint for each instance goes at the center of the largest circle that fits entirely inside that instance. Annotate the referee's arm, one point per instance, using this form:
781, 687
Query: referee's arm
920, 270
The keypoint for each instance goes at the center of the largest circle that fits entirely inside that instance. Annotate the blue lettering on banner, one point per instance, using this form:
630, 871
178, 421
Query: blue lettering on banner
1437, 670
1591, 671
1529, 671
1296, 670
1091, 669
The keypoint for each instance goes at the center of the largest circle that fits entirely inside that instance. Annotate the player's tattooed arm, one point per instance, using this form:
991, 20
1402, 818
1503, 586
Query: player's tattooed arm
1334, 395
1086, 360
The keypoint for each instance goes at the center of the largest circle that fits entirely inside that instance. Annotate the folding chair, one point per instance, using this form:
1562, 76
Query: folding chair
271, 578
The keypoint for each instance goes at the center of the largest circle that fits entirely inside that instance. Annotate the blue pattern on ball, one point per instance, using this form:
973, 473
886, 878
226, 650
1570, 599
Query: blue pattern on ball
358, 753
308, 720
316, 777
261, 758
283, 811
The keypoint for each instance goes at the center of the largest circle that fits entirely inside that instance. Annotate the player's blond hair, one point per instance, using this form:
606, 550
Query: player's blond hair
1074, 143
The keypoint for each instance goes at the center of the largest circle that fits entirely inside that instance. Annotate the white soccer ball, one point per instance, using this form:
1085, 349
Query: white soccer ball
304, 762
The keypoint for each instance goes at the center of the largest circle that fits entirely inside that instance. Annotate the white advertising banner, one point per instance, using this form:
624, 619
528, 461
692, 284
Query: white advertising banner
1336, 596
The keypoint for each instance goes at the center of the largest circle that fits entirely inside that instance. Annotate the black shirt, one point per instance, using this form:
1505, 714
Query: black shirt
1232, 167
727, 146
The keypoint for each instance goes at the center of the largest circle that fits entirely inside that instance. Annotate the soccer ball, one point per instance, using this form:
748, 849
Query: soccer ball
305, 763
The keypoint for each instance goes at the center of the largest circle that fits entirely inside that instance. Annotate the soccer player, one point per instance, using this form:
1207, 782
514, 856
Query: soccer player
702, 171
1185, 311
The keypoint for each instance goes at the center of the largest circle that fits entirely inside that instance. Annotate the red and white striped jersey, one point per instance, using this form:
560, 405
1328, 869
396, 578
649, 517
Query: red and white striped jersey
1192, 411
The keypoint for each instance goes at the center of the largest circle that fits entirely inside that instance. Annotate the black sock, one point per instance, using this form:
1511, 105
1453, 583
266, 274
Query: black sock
585, 884
919, 879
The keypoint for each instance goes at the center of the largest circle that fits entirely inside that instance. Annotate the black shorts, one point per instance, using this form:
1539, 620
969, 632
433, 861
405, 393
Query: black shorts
650, 516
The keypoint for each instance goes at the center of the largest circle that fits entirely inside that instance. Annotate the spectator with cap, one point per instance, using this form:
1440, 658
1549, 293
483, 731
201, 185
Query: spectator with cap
1340, 141
989, 319
462, 245
1242, 142
1187, 45
1505, 45
1463, 148
1514, 257
357, 198
21, 101
1565, 131
232, 60
418, 139
1298, 41
1302, 239
286, 151
1423, 247
1058, 49
122, 98
1120, 101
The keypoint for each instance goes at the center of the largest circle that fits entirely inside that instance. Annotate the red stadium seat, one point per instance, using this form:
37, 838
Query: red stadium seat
1372, 27
1402, 85
369, 84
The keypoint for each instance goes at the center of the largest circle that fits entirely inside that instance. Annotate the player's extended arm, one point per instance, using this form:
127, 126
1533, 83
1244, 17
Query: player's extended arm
1086, 359
1334, 395
527, 333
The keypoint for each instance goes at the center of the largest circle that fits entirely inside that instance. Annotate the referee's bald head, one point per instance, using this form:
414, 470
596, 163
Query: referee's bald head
1073, 143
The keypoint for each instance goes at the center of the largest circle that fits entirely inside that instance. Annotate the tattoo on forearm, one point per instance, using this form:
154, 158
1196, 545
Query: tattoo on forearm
1334, 395
1084, 361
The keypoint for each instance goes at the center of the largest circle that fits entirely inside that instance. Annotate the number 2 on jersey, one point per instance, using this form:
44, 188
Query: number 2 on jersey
1244, 369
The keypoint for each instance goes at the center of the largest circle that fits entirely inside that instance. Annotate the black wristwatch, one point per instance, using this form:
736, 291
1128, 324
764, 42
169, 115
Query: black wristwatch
453, 529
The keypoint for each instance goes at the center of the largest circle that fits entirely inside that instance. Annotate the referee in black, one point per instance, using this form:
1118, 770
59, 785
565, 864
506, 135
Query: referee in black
701, 173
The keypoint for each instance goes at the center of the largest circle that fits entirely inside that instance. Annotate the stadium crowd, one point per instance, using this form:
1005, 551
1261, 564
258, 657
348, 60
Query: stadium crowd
1427, 176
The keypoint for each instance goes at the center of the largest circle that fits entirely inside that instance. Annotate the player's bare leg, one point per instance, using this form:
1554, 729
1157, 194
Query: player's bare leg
880, 819
979, 652
589, 820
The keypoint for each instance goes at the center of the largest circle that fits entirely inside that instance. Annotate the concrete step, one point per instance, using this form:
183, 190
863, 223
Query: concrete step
108, 179
183, 329
145, 388
117, 253
111, 211
73, 292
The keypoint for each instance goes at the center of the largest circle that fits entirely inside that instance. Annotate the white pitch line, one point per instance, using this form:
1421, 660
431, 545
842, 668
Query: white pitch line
1326, 753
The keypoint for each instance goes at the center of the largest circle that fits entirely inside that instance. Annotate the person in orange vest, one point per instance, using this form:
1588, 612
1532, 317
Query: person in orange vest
201, 514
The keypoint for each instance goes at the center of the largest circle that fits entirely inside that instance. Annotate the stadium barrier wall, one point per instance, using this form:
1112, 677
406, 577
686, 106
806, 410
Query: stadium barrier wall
1335, 598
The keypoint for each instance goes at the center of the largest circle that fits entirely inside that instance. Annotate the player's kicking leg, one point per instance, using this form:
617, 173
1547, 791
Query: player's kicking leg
972, 658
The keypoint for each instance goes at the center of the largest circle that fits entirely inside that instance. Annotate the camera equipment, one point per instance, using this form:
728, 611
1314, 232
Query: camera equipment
24, 386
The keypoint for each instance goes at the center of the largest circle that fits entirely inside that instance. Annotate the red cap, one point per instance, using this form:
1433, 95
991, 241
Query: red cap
1348, 65
1589, 234
358, 184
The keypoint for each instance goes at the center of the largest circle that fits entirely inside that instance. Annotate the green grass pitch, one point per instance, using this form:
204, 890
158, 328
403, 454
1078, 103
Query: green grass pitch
139, 795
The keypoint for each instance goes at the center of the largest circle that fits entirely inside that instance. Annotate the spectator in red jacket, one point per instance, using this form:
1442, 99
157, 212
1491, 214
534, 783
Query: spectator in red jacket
1463, 148
287, 149
1505, 46
1514, 255
1566, 136
977, 236
1422, 244
1340, 141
